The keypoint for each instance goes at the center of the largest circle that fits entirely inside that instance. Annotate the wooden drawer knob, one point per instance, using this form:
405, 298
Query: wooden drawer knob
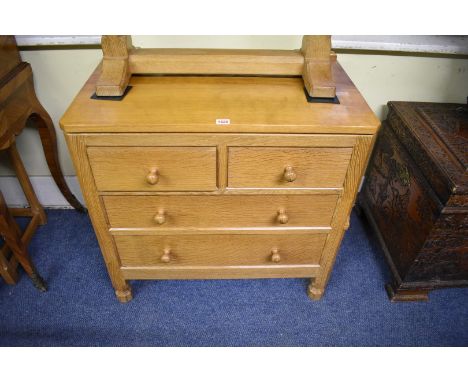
282, 217
289, 174
275, 256
166, 257
152, 177
160, 217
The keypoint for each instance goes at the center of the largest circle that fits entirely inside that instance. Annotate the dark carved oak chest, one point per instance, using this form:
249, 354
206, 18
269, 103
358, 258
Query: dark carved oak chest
415, 197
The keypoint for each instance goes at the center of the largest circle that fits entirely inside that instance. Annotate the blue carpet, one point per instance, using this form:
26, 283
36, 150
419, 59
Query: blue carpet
80, 308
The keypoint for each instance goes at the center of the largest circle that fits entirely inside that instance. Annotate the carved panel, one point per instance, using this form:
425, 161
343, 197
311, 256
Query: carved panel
444, 256
402, 204
416, 192
436, 137
450, 122
433, 174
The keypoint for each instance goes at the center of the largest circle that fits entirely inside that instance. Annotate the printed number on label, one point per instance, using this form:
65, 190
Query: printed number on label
223, 121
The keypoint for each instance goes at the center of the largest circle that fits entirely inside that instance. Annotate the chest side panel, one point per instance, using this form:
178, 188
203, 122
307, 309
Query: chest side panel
444, 257
400, 200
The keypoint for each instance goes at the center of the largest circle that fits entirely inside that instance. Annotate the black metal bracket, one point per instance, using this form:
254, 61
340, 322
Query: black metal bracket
310, 99
112, 98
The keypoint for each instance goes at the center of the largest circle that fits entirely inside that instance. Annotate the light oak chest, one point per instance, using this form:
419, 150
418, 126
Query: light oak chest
219, 177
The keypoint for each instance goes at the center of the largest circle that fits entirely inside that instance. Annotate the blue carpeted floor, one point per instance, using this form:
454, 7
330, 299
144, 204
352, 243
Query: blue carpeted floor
80, 308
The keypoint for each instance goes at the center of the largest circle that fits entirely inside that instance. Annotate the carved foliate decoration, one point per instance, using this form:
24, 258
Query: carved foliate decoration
416, 193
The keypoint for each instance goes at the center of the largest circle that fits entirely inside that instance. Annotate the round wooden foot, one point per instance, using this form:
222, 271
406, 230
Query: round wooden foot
124, 295
314, 293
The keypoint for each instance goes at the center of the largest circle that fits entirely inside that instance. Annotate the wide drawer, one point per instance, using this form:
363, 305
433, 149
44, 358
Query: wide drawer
287, 167
215, 211
219, 250
153, 168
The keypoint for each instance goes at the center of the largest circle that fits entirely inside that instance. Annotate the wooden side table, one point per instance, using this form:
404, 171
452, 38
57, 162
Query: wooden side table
19, 104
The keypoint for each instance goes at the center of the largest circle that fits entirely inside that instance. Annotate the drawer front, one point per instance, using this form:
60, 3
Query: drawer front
153, 168
278, 167
219, 250
220, 211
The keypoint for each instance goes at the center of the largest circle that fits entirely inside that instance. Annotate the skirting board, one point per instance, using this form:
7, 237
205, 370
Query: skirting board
46, 190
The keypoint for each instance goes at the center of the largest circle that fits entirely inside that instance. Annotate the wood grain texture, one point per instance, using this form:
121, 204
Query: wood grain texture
317, 72
266, 195
215, 250
219, 211
222, 165
9, 55
228, 139
16, 241
10, 83
219, 272
96, 212
239, 191
216, 61
179, 168
23, 178
139, 231
313, 62
354, 175
258, 167
193, 104
115, 68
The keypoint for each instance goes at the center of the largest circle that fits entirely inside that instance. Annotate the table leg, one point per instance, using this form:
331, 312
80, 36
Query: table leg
46, 129
11, 233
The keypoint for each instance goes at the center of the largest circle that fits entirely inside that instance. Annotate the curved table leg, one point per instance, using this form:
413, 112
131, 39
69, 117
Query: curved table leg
46, 129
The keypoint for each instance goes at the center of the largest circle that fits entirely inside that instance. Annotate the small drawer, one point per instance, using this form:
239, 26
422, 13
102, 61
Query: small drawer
153, 168
287, 167
219, 250
214, 211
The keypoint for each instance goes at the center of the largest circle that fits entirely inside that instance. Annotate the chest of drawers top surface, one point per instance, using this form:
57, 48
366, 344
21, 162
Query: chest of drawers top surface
194, 104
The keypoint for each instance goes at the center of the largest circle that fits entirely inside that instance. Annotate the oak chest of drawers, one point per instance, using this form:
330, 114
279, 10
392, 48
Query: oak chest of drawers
219, 177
